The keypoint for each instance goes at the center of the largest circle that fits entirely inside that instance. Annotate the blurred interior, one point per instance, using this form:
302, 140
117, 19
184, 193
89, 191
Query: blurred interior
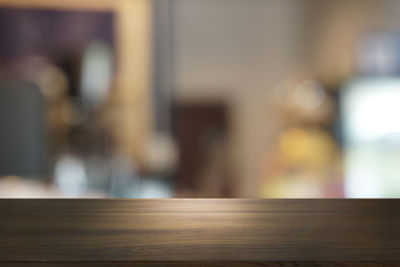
200, 98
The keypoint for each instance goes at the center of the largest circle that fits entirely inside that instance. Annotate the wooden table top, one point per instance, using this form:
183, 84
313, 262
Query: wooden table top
199, 230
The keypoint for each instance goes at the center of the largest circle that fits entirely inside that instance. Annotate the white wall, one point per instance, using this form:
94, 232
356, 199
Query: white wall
236, 50
222, 46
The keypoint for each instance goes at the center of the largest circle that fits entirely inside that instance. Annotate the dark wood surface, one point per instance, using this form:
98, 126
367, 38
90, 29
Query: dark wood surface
206, 264
241, 230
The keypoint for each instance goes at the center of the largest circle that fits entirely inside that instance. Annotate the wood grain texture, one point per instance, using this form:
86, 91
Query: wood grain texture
239, 230
204, 264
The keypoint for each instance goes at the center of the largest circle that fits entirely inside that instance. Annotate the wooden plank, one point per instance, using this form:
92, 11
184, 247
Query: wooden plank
207, 264
199, 230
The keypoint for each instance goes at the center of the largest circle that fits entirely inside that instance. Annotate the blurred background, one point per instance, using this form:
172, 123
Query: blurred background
200, 98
